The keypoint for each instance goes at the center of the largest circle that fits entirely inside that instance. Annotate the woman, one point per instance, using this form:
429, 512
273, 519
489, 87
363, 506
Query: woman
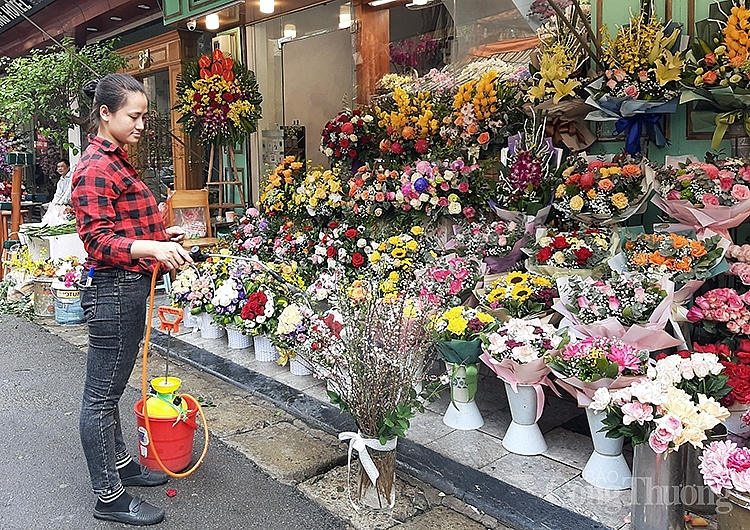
122, 231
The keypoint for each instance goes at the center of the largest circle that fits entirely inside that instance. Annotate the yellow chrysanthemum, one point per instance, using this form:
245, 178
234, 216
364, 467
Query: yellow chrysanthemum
457, 325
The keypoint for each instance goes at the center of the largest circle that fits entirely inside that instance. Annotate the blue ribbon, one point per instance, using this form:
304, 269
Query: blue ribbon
633, 129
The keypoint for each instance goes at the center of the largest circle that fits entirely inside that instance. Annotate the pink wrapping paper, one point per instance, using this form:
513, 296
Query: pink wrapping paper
584, 392
717, 218
650, 336
530, 374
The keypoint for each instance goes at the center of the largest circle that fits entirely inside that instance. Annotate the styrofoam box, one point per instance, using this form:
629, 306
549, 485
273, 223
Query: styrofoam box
54, 247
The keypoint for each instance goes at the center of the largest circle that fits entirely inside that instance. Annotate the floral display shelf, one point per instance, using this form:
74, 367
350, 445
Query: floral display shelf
554, 477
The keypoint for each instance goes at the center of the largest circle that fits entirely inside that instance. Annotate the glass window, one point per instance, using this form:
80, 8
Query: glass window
152, 156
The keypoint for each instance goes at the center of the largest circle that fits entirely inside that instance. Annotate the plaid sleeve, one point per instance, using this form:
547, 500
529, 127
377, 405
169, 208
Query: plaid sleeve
94, 195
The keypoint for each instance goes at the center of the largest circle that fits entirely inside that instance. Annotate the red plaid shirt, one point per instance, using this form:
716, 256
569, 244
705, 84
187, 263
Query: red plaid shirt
113, 208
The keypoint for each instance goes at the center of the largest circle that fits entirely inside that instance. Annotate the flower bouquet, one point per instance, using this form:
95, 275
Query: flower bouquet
694, 372
228, 300
218, 99
396, 259
664, 416
713, 196
630, 307
641, 80
686, 259
515, 352
457, 331
372, 352
527, 174
69, 271
557, 253
347, 138
291, 335
602, 193
258, 311
343, 247
517, 294
724, 466
179, 294
251, 235
320, 194
555, 86
447, 281
448, 188
294, 244
594, 362
283, 181
408, 123
498, 243
715, 71
486, 111
372, 193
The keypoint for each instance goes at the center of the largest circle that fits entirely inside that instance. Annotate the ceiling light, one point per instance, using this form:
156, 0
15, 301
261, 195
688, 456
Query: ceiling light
91, 29
212, 21
266, 6
116, 19
376, 3
345, 16
144, 6
290, 31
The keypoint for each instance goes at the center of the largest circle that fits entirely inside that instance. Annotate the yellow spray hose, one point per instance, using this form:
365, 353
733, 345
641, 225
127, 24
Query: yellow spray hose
144, 388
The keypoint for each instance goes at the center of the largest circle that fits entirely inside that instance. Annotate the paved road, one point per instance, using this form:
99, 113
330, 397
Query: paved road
44, 483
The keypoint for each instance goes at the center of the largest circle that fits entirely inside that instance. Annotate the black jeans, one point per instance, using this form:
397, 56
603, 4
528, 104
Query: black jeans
115, 309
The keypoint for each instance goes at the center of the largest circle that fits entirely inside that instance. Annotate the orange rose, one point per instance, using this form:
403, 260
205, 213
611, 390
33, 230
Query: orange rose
630, 170
678, 241
697, 250
408, 132
710, 77
629, 245
605, 185
656, 258
640, 259
710, 59
380, 177
683, 264
472, 128
483, 138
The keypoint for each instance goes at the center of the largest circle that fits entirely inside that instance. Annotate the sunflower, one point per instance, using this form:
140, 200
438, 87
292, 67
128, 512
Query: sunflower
516, 277
521, 293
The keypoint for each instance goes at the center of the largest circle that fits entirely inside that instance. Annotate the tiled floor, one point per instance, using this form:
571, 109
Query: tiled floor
554, 476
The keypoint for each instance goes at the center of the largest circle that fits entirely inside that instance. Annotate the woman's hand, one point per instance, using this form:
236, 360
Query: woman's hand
169, 254
176, 234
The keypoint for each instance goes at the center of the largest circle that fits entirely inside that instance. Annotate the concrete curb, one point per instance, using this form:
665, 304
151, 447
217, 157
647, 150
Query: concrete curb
508, 504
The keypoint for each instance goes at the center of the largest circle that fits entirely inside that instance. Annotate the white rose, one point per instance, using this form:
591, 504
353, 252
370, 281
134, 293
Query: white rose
434, 201
423, 197
353, 137
367, 118
524, 354
545, 241
454, 208
602, 399
712, 407
558, 257
448, 175
399, 196
361, 243
328, 151
415, 203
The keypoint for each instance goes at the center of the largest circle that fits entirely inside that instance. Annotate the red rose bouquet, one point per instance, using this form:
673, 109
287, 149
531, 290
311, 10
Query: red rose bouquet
558, 253
347, 137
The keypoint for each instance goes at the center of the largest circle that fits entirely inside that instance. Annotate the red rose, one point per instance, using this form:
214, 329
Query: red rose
228, 97
344, 143
422, 146
331, 252
745, 345
544, 255
333, 225
358, 259
587, 181
197, 97
351, 233
560, 242
347, 128
396, 148
582, 255
685, 354
743, 357
352, 153
661, 356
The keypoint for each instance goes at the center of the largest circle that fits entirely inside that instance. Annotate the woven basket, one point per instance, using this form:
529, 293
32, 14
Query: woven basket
265, 352
237, 340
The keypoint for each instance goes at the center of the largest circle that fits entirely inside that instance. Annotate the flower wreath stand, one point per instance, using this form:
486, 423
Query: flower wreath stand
461, 357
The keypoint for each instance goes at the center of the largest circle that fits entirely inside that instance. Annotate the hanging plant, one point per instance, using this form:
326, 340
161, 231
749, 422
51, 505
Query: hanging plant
219, 100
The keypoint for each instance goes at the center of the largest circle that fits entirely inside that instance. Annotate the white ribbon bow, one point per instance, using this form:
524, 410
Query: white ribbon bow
360, 444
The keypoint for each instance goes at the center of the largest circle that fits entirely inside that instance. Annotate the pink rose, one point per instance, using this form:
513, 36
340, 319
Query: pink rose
643, 76
455, 287
595, 164
632, 91
657, 444
445, 186
443, 202
710, 169
673, 195
740, 192
739, 460
611, 84
709, 199
620, 74
637, 412
463, 187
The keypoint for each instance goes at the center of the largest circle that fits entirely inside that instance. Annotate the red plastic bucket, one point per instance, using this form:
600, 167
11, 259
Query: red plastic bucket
173, 443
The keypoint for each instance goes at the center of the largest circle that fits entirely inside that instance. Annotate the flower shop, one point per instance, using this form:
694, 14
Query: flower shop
461, 240
547, 255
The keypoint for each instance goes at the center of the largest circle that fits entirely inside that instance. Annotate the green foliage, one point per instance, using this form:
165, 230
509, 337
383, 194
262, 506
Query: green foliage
47, 85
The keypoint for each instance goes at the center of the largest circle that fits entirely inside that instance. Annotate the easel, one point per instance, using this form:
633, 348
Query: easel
222, 184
